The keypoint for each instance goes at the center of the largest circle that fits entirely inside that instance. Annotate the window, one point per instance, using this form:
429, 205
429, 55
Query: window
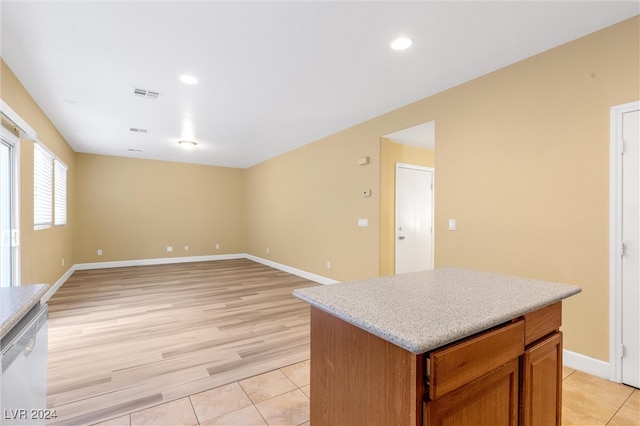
59, 193
49, 189
42, 187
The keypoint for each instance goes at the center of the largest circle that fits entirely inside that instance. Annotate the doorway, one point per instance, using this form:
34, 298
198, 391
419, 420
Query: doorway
414, 218
414, 145
625, 243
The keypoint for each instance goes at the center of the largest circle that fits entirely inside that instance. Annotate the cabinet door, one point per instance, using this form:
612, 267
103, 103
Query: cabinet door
491, 400
541, 384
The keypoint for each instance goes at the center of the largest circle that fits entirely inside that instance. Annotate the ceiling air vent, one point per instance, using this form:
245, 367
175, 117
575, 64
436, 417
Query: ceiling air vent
147, 94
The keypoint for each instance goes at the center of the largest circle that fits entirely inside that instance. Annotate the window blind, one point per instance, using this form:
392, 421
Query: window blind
42, 187
59, 193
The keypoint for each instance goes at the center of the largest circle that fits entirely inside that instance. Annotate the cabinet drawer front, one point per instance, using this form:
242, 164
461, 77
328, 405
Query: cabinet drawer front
460, 363
542, 322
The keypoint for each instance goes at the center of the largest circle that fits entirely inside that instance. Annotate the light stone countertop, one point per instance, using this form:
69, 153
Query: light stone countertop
15, 302
422, 311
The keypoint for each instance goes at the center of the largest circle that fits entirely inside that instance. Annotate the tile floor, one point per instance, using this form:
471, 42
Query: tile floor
281, 397
589, 400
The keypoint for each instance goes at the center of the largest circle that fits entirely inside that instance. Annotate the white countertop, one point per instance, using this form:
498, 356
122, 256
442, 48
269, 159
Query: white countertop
422, 311
15, 302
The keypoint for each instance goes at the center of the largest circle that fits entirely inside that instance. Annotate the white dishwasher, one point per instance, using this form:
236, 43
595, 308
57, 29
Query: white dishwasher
23, 381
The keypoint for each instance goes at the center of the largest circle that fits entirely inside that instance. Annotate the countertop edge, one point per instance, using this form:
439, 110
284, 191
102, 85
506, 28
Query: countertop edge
437, 341
18, 303
438, 337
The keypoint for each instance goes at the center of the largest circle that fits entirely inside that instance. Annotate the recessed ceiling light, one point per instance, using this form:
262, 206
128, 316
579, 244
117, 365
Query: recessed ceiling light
401, 43
189, 145
188, 79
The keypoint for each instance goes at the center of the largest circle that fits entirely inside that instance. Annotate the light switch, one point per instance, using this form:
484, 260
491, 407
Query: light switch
452, 224
363, 222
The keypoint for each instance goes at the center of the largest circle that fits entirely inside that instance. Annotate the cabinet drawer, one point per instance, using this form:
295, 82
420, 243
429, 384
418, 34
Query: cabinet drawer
460, 363
542, 322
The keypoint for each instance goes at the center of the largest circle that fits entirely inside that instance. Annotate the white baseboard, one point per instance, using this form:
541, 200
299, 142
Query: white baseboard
167, 260
57, 284
584, 363
156, 261
295, 271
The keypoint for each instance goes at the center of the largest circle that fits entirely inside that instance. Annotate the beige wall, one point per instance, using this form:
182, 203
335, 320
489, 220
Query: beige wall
41, 251
305, 205
390, 154
522, 164
133, 209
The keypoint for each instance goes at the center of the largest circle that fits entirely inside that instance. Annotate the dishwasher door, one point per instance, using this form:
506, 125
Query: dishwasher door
23, 382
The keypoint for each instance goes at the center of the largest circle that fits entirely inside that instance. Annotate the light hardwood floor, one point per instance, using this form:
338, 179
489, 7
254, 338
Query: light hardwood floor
124, 339
120, 339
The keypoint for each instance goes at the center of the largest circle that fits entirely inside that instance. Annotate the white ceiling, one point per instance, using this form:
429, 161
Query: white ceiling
272, 75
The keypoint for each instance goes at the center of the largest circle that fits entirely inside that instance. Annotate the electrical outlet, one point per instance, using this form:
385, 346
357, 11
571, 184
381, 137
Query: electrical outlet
186, 248
217, 246
267, 250
169, 249
328, 264
99, 252
63, 261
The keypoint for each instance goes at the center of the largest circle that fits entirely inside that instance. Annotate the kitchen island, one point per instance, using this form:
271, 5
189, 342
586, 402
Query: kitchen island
448, 346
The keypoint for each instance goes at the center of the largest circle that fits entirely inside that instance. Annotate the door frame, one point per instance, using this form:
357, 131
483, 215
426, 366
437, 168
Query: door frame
25, 132
14, 142
615, 238
395, 211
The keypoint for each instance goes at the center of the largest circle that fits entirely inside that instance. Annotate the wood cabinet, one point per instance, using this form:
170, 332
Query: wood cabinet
491, 400
541, 381
456, 365
360, 379
475, 381
507, 375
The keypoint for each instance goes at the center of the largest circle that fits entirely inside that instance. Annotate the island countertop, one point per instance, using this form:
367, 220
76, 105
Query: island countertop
421, 311
15, 302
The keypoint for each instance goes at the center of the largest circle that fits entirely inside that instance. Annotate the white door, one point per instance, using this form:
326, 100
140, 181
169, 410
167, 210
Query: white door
631, 248
9, 254
414, 218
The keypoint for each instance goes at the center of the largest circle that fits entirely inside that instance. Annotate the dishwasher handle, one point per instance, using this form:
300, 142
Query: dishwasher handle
25, 340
